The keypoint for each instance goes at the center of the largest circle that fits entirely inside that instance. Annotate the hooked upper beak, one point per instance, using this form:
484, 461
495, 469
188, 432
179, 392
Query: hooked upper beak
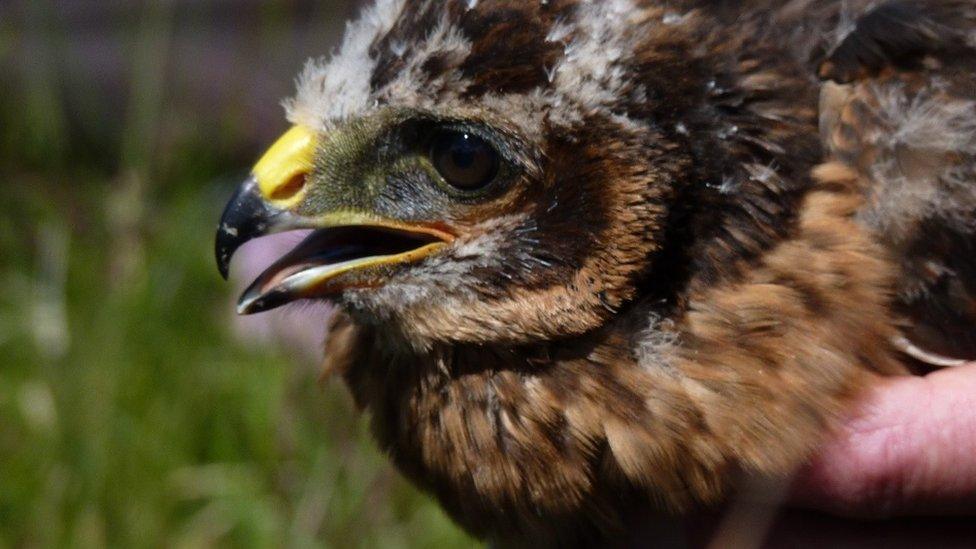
344, 244
246, 217
259, 207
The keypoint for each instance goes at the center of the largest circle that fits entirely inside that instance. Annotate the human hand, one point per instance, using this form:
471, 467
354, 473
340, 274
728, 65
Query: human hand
901, 472
908, 449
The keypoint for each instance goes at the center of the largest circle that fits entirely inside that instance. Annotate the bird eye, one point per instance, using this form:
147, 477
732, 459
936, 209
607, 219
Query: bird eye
464, 160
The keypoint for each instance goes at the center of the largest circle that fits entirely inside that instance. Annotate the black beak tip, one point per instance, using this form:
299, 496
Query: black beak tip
245, 217
227, 242
225, 245
223, 256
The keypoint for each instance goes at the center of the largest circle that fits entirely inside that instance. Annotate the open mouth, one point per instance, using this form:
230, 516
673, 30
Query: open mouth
312, 268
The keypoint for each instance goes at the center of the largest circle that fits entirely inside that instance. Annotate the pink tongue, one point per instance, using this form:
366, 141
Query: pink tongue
279, 276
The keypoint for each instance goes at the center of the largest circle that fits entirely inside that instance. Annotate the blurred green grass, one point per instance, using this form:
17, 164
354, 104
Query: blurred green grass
130, 414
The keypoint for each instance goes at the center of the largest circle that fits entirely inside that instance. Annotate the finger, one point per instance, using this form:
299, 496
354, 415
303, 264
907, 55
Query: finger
910, 448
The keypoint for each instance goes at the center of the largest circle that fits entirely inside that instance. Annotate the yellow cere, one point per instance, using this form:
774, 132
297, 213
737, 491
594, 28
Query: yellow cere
280, 172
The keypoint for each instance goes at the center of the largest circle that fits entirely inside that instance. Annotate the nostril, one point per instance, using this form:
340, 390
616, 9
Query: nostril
291, 187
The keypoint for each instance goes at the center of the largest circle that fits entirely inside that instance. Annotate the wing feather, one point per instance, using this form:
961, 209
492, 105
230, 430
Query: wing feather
900, 107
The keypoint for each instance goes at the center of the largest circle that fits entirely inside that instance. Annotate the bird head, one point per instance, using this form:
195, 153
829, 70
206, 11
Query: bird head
473, 171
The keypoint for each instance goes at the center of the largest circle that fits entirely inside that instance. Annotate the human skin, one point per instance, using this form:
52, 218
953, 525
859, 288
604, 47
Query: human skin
900, 472
909, 448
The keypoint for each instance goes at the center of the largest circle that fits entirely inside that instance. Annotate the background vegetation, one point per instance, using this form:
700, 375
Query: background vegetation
134, 410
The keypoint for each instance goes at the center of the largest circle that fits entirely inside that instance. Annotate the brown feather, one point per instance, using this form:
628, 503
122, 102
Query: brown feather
906, 120
692, 282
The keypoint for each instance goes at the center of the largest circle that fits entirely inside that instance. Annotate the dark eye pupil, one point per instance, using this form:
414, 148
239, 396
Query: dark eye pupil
464, 160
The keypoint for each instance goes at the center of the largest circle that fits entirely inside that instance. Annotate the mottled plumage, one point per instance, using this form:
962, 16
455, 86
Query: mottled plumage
712, 223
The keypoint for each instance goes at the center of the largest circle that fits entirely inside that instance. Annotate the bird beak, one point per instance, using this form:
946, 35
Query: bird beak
344, 243
260, 205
